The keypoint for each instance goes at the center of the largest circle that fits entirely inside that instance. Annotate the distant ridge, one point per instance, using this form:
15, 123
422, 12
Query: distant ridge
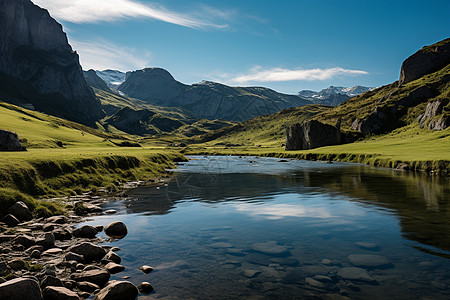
209, 100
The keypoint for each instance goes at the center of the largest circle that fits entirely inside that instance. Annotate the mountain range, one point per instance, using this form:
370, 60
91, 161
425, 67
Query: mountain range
333, 95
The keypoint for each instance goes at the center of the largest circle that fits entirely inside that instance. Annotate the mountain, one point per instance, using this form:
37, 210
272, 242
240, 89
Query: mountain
38, 68
333, 95
95, 81
209, 100
113, 78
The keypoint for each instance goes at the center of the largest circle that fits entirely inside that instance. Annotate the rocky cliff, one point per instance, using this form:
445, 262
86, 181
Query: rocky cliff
425, 61
9, 141
206, 99
38, 66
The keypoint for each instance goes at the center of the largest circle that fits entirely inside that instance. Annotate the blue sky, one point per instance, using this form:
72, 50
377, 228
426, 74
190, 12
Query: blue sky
284, 45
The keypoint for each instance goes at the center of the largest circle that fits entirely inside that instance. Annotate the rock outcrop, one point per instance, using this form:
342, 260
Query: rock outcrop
312, 134
9, 141
425, 61
38, 66
434, 109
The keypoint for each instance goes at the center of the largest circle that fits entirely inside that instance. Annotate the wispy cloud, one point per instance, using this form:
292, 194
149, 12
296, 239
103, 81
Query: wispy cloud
258, 74
89, 11
100, 55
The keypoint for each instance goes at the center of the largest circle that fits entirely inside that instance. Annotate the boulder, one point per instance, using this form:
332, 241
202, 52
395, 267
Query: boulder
96, 276
425, 61
20, 211
74, 256
21, 288
116, 230
50, 280
48, 241
24, 240
113, 257
56, 220
9, 141
86, 231
10, 220
89, 251
62, 234
16, 264
114, 268
123, 290
59, 293
86, 286
312, 134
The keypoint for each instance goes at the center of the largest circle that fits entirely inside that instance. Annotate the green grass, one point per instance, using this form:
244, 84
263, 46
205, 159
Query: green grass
88, 159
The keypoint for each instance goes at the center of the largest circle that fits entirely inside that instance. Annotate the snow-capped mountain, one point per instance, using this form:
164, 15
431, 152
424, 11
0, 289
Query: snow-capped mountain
333, 95
113, 78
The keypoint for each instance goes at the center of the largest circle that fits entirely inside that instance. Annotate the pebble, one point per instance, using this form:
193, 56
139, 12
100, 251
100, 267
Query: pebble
365, 245
221, 245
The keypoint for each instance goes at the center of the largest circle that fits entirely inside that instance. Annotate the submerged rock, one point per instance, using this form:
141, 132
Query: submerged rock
369, 261
271, 248
356, 274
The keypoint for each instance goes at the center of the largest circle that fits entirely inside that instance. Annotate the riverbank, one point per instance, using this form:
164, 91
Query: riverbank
407, 148
39, 174
54, 258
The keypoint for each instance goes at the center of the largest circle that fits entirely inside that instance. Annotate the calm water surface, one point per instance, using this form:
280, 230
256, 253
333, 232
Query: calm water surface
258, 228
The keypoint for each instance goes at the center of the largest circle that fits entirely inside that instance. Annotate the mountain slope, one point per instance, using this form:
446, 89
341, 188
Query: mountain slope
95, 81
38, 66
207, 100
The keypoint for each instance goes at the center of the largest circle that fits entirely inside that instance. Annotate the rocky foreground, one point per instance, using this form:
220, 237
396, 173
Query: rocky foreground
43, 259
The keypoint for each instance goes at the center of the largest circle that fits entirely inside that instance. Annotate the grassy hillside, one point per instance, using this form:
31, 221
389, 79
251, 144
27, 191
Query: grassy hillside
89, 158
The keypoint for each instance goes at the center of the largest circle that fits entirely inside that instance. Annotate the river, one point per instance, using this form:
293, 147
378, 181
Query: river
263, 228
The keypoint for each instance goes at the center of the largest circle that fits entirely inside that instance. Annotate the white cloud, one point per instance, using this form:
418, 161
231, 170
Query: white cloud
100, 55
258, 74
89, 11
279, 211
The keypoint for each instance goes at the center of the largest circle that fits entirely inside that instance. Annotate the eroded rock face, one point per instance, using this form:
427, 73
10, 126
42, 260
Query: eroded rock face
432, 110
9, 141
312, 134
425, 61
37, 62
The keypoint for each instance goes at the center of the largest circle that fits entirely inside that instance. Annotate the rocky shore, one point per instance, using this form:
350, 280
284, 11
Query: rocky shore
52, 258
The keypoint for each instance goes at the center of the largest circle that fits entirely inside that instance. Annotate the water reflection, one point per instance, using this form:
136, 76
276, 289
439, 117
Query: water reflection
421, 202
